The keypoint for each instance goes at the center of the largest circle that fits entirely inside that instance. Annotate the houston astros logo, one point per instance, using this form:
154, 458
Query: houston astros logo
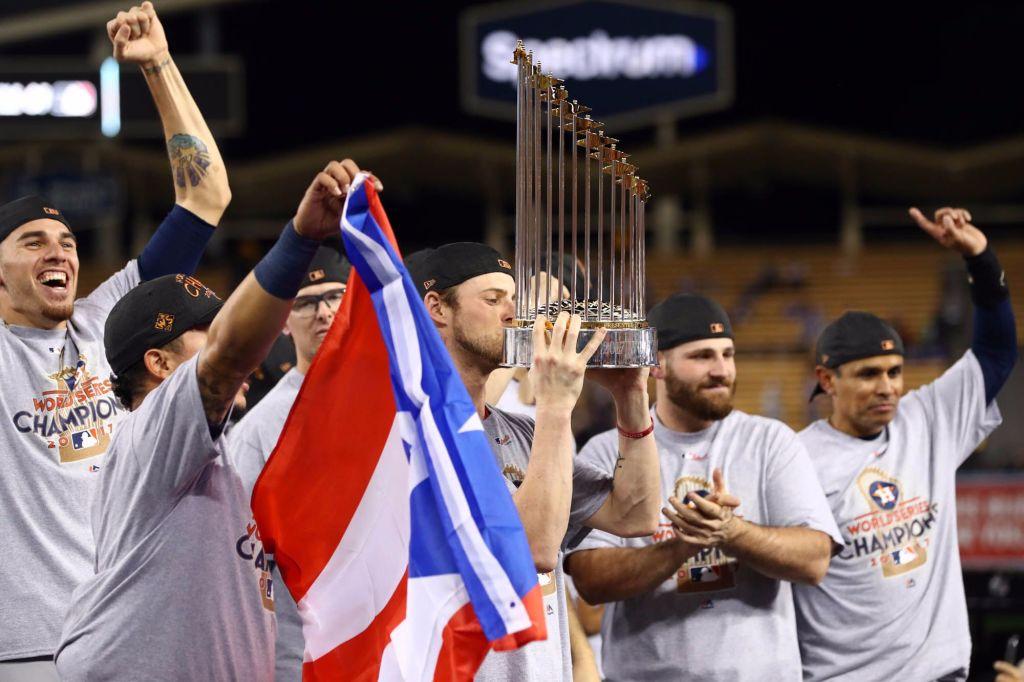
190, 159
50, 211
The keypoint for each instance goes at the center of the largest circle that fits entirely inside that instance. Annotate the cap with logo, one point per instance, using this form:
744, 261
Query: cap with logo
16, 213
155, 313
854, 336
452, 264
327, 266
682, 318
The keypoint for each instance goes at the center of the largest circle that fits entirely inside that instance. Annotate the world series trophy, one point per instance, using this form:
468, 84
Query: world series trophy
576, 194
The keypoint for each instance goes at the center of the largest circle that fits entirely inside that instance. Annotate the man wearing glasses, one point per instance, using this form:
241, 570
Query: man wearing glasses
253, 439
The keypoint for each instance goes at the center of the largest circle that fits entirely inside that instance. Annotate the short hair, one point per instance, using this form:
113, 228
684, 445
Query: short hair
126, 384
450, 297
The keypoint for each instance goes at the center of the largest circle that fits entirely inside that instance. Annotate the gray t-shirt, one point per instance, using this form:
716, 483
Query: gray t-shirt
249, 445
892, 605
716, 619
549, 660
182, 590
60, 414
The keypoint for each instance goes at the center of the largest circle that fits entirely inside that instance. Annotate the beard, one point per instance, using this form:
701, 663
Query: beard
488, 350
58, 312
688, 397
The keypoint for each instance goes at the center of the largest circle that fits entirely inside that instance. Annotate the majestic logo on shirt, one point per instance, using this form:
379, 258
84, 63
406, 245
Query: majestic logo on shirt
249, 547
73, 418
894, 532
710, 570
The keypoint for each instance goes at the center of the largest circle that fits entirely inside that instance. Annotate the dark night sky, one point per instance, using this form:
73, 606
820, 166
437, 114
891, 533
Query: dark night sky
324, 70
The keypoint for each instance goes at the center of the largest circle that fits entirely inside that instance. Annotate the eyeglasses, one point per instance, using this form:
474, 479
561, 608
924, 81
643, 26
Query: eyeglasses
306, 306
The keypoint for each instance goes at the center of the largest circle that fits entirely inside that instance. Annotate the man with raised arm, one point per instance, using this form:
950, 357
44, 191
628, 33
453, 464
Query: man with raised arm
255, 436
708, 597
182, 588
893, 605
468, 290
59, 411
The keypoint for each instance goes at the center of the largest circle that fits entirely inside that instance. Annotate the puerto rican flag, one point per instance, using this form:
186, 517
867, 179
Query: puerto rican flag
382, 502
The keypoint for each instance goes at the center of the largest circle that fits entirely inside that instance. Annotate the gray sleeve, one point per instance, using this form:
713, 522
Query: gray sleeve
170, 438
793, 494
591, 485
113, 289
956, 410
246, 454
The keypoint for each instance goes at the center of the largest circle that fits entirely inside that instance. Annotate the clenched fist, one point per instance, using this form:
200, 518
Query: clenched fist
137, 36
319, 213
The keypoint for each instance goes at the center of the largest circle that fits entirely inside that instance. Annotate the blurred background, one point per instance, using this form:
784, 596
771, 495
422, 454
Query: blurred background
783, 142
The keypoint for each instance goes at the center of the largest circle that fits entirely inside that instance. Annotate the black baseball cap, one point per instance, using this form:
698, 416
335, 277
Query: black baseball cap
682, 318
328, 265
16, 213
566, 272
854, 336
153, 314
452, 264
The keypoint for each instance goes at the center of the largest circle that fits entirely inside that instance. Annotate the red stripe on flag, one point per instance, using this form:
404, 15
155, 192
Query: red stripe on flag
315, 478
359, 658
464, 645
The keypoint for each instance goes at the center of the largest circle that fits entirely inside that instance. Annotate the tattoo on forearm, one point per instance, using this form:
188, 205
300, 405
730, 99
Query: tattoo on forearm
619, 461
217, 398
153, 70
190, 159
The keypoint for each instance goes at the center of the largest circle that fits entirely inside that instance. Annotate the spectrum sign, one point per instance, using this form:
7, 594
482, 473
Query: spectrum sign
633, 63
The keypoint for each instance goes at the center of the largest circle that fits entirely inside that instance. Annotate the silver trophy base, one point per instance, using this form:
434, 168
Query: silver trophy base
621, 348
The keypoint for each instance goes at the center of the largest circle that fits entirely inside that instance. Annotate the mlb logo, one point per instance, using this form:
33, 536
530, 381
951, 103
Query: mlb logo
82, 439
93, 468
503, 440
885, 494
316, 275
717, 327
903, 556
888, 344
504, 264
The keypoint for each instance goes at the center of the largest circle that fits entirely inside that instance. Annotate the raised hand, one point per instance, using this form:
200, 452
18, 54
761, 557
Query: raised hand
137, 35
557, 371
952, 228
319, 212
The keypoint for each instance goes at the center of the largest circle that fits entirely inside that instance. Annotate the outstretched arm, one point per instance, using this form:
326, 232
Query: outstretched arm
544, 498
995, 330
254, 314
199, 176
632, 508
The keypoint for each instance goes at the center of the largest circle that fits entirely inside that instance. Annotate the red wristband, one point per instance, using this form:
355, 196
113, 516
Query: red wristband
637, 434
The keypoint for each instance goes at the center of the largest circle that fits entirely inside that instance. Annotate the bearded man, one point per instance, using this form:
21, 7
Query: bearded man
689, 601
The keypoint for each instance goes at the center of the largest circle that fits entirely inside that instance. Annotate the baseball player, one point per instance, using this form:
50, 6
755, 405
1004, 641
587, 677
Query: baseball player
182, 588
892, 604
468, 290
59, 406
692, 601
255, 436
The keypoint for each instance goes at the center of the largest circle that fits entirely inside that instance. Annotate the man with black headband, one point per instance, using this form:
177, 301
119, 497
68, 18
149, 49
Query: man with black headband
892, 604
708, 596
255, 436
59, 412
182, 588
468, 290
